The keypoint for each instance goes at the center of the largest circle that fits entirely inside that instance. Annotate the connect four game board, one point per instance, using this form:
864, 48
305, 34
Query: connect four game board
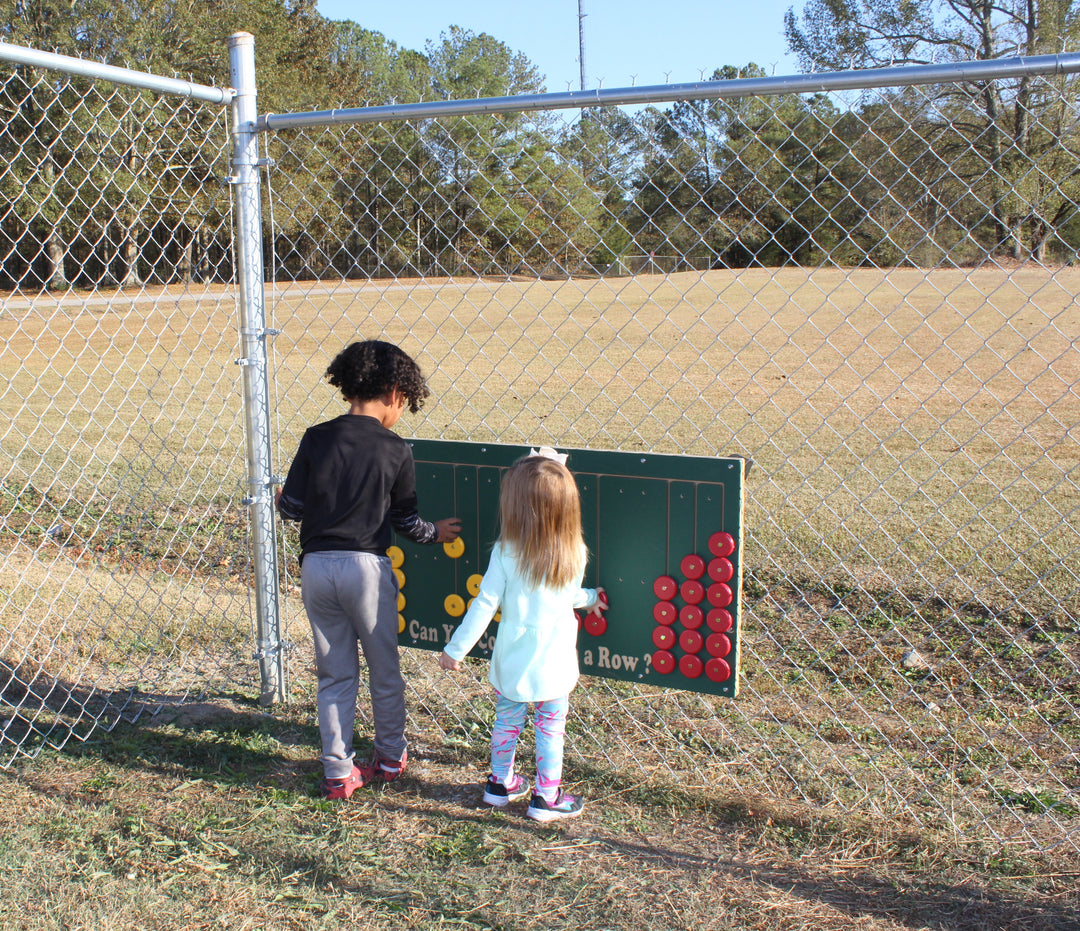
665, 540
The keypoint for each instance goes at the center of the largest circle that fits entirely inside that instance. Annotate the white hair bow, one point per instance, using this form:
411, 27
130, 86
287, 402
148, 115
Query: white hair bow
548, 453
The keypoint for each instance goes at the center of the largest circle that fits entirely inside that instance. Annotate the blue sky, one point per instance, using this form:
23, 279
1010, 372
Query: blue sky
626, 41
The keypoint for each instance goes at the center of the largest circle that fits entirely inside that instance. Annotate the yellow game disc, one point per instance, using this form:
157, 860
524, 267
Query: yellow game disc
400, 601
400, 578
473, 584
397, 556
455, 605
401, 623
498, 616
455, 548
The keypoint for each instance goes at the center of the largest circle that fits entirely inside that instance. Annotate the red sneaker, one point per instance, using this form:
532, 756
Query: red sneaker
343, 788
389, 770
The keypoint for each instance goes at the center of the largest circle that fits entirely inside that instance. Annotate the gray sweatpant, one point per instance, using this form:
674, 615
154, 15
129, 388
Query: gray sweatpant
351, 598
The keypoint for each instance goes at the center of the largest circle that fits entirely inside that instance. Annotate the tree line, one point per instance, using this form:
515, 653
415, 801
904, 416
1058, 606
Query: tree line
104, 187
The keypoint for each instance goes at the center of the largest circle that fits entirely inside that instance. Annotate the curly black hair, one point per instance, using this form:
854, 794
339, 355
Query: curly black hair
367, 370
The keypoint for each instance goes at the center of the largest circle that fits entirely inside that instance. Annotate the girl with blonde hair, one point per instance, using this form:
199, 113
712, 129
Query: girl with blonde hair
534, 576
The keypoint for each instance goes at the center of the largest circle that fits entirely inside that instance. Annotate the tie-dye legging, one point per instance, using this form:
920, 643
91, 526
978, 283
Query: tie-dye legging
549, 723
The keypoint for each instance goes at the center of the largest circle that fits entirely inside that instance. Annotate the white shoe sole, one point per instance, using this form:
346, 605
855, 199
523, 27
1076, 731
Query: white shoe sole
544, 815
501, 801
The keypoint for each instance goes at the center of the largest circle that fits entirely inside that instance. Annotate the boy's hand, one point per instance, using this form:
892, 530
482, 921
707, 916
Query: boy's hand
449, 529
448, 662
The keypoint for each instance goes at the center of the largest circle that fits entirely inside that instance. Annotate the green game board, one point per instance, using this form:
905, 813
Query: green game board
665, 540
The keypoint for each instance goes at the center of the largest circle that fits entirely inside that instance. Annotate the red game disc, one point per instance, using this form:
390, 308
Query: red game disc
690, 641
580, 620
718, 644
663, 637
690, 666
663, 662
717, 669
691, 617
720, 595
595, 625
693, 567
721, 569
721, 544
719, 620
664, 612
692, 591
665, 588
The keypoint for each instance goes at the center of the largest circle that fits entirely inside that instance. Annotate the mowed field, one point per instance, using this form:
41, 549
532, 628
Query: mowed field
912, 434
925, 417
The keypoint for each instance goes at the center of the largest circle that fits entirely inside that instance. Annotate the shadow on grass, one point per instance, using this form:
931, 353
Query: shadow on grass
915, 902
231, 742
222, 737
899, 896
904, 894
39, 710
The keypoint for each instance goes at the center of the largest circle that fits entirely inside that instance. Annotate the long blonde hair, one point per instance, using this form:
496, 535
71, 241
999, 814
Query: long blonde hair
540, 521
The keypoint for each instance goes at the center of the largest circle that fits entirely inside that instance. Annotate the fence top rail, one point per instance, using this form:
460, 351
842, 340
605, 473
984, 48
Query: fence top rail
52, 61
861, 79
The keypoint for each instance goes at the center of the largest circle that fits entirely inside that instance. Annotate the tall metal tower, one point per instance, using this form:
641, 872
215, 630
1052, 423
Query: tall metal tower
581, 38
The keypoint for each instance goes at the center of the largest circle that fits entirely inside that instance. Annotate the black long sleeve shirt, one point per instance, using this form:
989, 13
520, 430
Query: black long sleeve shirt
350, 482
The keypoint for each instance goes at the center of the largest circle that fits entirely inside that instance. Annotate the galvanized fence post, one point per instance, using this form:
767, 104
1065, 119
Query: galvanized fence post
253, 335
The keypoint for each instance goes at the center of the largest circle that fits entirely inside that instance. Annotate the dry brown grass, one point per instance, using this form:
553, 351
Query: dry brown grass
887, 342
933, 411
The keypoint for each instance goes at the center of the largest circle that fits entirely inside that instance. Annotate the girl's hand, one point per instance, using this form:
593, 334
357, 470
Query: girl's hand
446, 661
601, 602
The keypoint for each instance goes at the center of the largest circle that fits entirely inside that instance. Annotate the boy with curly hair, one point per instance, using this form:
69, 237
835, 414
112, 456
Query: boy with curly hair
352, 479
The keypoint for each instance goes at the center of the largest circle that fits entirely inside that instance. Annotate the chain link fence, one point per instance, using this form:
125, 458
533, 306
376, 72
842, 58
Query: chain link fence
123, 543
870, 294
